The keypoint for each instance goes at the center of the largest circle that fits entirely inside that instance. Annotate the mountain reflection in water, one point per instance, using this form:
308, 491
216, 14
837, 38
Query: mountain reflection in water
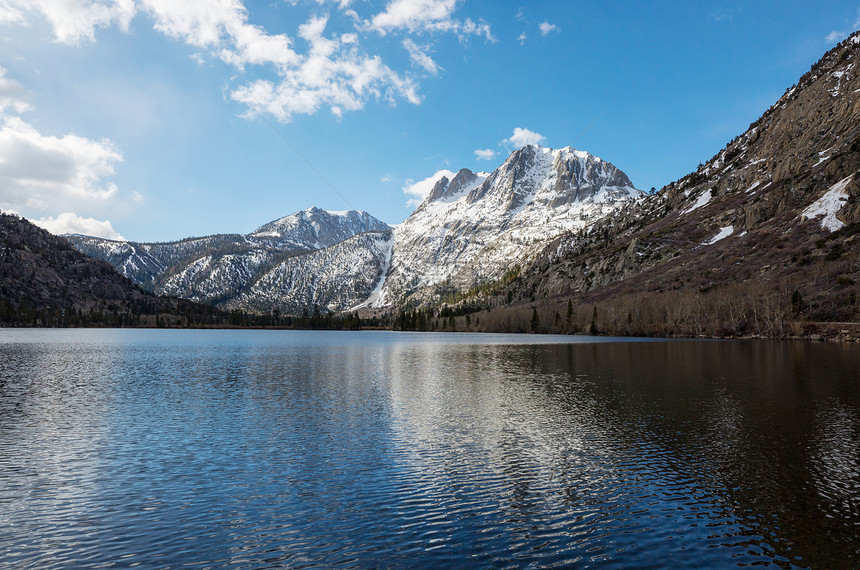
267, 448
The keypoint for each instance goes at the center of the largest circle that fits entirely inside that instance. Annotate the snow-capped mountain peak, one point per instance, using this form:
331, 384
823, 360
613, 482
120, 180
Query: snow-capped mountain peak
319, 228
471, 228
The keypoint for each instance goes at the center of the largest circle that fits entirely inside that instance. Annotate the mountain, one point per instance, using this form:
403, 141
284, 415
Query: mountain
472, 228
761, 239
44, 280
469, 231
336, 278
221, 269
314, 229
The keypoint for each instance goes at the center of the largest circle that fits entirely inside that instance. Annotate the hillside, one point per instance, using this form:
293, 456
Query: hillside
761, 239
44, 280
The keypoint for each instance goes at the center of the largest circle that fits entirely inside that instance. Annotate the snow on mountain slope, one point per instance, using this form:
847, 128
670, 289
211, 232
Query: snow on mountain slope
335, 278
130, 259
215, 269
315, 228
470, 229
473, 228
214, 277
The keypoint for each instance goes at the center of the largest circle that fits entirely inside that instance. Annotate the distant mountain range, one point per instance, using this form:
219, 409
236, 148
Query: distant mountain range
223, 269
761, 239
467, 231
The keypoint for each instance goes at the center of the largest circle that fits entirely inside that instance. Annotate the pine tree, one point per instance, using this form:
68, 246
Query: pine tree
592, 329
796, 303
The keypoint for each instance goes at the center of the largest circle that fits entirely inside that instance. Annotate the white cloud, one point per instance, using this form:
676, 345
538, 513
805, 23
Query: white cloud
426, 16
485, 154
9, 14
387, 178
419, 190
44, 173
69, 223
223, 28
522, 38
312, 70
333, 74
414, 15
11, 94
722, 15
835, 37
546, 28
420, 57
73, 20
524, 137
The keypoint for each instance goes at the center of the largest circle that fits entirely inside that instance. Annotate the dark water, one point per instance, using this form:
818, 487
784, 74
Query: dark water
268, 449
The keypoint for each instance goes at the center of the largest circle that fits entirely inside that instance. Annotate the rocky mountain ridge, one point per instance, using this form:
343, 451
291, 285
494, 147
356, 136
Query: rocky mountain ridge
467, 231
472, 229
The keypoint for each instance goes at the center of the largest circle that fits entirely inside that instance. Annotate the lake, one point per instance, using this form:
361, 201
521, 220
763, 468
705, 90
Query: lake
249, 449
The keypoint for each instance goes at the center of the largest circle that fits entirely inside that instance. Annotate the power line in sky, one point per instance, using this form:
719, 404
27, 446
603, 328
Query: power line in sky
295, 150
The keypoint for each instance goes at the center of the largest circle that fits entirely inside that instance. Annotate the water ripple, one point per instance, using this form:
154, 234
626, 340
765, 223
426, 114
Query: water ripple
257, 449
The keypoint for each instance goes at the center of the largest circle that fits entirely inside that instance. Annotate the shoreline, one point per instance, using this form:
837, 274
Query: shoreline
827, 332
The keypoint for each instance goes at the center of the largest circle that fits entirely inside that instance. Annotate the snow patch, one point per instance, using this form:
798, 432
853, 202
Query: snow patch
822, 157
838, 75
828, 205
375, 299
704, 198
722, 234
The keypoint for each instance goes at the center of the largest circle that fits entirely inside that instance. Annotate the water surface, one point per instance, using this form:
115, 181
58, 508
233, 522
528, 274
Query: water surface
248, 449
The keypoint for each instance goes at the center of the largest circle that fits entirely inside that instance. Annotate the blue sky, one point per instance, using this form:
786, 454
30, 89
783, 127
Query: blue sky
152, 119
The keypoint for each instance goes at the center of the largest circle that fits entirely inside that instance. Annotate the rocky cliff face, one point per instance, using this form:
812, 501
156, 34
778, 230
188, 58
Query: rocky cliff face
778, 208
473, 228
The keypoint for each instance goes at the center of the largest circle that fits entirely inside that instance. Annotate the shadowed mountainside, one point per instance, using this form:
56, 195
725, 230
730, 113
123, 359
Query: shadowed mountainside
46, 281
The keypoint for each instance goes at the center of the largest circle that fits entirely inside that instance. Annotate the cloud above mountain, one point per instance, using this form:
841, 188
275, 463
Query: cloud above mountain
70, 223
312, 69
524, 137
49, 173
